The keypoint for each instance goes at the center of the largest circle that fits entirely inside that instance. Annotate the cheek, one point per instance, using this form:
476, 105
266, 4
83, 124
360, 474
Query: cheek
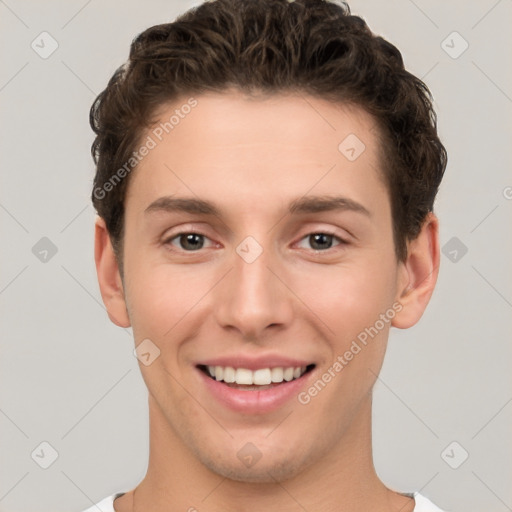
167, 302
161, 296
349, 298
351, 304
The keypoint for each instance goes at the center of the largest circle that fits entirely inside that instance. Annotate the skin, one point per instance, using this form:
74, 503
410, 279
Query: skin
251, 158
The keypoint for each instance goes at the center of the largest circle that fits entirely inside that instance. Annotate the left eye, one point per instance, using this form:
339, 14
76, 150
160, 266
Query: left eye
188, 241
321, 241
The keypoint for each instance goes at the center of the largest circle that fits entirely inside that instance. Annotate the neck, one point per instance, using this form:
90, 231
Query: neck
344, 480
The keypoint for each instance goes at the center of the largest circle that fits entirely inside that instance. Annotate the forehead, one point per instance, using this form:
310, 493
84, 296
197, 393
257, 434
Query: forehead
233, 117
239, 146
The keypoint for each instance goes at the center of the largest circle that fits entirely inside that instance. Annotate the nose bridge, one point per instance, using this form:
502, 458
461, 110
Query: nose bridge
253, 298
251, 273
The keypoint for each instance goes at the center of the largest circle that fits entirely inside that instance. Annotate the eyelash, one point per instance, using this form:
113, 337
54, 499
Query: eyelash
341, 241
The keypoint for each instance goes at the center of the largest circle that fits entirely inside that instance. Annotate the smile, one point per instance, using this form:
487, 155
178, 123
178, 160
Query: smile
257, 391
245, 378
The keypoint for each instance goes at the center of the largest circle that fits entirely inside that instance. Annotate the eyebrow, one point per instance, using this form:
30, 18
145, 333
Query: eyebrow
309, 204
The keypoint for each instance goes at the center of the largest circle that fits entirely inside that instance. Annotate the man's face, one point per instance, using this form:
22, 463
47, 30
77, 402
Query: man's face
257, 288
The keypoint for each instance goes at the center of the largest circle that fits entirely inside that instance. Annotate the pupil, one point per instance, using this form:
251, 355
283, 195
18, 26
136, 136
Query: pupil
320, 239
191, 241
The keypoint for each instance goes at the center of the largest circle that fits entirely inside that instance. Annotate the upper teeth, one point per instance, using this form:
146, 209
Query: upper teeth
258, 377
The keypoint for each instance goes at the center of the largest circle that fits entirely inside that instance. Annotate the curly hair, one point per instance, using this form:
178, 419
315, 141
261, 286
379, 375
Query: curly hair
270, 46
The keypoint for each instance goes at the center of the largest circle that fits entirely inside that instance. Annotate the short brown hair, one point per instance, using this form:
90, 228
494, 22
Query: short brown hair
270, 46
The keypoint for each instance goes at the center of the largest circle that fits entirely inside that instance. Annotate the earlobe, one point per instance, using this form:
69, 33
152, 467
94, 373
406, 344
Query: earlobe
109, 278
418, 274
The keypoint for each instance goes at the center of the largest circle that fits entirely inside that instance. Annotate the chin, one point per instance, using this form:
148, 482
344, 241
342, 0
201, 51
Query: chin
267, 470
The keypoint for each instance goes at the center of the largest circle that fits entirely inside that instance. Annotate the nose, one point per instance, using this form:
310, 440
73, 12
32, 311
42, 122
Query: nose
254, 297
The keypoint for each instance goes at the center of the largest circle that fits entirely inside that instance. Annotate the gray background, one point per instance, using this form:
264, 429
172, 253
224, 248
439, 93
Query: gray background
68, 376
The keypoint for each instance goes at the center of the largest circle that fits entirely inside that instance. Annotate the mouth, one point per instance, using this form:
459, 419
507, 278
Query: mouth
256, 391
255, 380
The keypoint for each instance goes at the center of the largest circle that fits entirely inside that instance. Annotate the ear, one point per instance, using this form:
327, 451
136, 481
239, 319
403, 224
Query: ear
418, 274
109, 277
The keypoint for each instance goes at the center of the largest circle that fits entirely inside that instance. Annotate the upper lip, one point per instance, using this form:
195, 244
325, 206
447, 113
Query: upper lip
255, 363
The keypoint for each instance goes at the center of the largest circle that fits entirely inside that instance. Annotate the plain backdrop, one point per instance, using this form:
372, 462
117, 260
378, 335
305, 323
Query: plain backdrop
68, 377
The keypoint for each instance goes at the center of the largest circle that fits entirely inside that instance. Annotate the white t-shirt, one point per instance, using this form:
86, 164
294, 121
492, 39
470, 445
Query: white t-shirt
107, 505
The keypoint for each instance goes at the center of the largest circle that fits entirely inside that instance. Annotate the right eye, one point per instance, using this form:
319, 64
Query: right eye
187, 241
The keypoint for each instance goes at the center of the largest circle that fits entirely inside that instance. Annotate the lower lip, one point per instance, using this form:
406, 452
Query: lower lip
254, 401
